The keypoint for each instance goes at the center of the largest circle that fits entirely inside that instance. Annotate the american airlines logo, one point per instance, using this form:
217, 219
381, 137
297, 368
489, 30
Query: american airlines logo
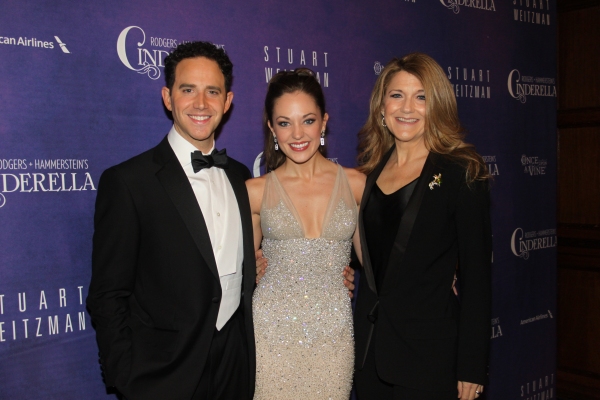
63, 46
33, 42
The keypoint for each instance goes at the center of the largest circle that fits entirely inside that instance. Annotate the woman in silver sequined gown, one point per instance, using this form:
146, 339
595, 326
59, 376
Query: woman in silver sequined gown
306, 211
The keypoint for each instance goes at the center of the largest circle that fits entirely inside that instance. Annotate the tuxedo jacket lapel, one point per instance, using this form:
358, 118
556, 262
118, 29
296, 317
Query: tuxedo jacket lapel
371, 180
406, 224
176, 184
239, 189
366, 260
238, 184
394, 265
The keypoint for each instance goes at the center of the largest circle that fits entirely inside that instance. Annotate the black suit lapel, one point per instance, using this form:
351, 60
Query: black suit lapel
404, 231
406, 225
176, 184
238, 185
371, 179
366, 260
241, 194
237, 176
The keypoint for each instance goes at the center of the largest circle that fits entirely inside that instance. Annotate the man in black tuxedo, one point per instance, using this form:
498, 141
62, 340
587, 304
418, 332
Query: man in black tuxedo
173, 265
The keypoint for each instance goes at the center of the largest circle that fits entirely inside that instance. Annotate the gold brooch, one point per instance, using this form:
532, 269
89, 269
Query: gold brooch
437, 181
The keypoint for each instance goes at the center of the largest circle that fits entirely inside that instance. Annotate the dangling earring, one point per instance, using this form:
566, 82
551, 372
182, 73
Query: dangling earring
276, 145
383, 122
323, 137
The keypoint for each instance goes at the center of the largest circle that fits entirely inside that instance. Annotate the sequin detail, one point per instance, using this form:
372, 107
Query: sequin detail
302, 313
280, 223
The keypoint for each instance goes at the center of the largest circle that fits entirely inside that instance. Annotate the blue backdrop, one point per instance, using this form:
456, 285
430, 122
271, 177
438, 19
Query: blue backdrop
80, 85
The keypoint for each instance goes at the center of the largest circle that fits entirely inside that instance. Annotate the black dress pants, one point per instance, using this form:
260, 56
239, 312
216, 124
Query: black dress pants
226, 373
369, 386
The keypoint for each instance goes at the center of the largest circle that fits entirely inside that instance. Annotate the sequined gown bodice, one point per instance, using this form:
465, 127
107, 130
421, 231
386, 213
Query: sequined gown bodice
302, 313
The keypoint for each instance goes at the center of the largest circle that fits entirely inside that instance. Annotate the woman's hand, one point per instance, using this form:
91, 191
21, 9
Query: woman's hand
261, 265
469, 391
349, 280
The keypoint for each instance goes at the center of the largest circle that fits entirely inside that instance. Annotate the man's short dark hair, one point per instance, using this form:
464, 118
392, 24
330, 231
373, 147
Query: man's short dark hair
198, 49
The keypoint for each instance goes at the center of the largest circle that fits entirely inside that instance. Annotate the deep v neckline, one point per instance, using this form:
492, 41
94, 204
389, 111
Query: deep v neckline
294, 210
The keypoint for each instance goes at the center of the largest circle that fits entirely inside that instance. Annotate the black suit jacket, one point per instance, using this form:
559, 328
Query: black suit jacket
424, 337
155, 290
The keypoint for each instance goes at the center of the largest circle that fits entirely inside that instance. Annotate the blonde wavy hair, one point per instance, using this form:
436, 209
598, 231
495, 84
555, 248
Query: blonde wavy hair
443, 131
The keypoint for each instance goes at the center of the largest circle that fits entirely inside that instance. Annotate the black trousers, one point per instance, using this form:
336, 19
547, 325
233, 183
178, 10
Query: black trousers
226, 373
370, 386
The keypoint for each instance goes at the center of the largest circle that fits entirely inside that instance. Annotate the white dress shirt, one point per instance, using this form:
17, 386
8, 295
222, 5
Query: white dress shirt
221, 213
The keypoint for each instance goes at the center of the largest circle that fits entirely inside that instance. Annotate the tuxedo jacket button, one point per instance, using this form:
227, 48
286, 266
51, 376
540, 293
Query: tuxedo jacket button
215, 300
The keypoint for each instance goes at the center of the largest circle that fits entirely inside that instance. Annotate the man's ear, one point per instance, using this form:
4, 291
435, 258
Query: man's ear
228, 100
166, 96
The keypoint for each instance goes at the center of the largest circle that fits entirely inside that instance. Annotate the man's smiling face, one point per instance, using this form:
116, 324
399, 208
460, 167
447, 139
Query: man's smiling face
197, 100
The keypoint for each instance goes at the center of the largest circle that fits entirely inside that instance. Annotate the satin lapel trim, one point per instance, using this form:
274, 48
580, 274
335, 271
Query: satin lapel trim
371, 179
241, 195
176, 184
406, 225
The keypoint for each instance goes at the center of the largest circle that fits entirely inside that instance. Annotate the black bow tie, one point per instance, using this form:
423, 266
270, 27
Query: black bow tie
215, 159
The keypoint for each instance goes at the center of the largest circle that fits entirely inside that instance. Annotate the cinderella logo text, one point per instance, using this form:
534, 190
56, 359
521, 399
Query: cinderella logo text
521, 243
519, 87
148, 62
454, 5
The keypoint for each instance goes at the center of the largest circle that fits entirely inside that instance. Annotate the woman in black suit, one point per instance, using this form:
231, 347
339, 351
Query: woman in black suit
424, 220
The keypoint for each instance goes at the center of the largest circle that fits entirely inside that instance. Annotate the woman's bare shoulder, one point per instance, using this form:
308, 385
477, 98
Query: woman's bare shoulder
256, 182
355, 176
256, 187
357, 181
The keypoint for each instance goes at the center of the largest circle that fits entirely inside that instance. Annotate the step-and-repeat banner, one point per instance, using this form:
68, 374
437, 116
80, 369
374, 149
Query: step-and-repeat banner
80, 91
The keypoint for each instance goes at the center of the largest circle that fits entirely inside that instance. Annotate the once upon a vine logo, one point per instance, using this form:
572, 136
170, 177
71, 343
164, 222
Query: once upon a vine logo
534, 165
